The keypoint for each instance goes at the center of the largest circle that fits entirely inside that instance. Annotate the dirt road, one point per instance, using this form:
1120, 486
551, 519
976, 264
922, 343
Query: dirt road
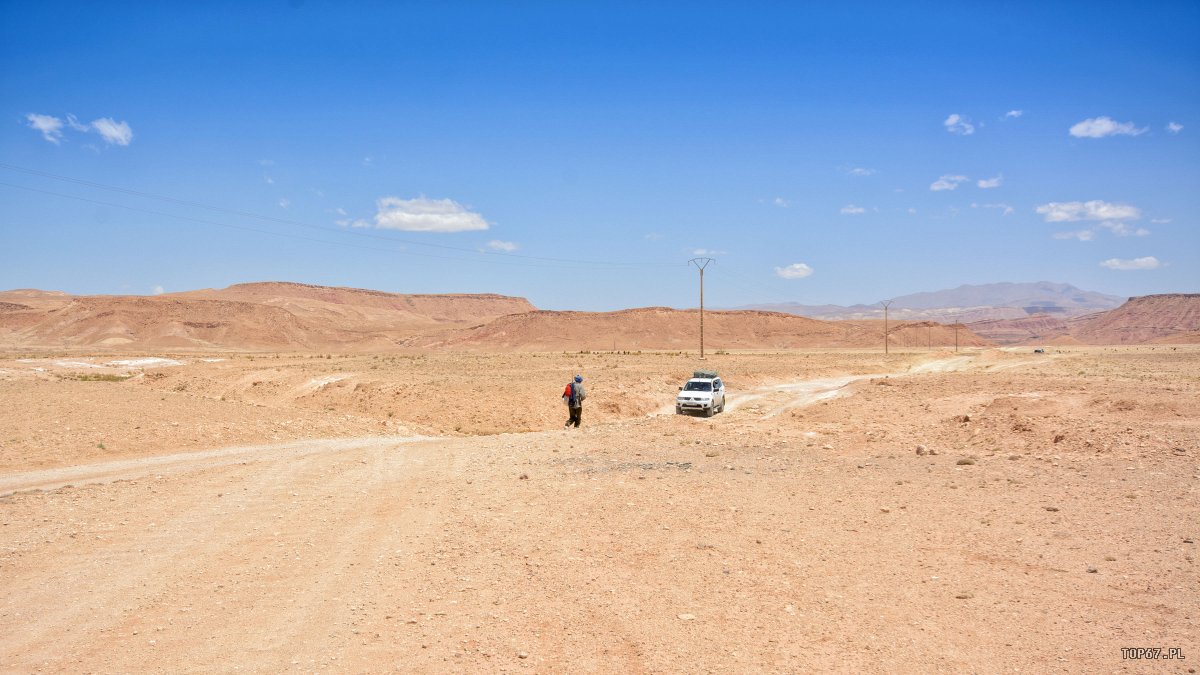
813, 539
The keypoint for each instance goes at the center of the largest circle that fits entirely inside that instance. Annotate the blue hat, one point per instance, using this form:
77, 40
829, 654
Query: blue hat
579, 378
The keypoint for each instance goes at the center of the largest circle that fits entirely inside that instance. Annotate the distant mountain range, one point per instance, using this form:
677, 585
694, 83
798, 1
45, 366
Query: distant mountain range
968, 303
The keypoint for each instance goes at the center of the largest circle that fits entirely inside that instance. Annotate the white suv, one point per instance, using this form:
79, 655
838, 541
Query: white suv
701, 394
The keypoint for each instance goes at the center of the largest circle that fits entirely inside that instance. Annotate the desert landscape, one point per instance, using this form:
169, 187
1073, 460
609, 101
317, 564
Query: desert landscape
383, 483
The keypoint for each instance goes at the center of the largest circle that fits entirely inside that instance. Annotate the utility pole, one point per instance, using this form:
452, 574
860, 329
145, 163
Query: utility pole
886, 304
700, 264
957, 323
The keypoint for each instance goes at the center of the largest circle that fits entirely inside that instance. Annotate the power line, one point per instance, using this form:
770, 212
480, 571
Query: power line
754, 286
700, 264
287, 235
297, 223
886, 304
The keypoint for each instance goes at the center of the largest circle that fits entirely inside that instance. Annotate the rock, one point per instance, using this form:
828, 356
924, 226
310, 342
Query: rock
711, 453
921, 450
885, 510
965, 595
524, 476
1050, 508
965, 461
1092, 569
687, 617
522, 655
933, 451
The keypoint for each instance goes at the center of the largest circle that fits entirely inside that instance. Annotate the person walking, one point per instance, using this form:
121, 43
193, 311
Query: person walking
573, 396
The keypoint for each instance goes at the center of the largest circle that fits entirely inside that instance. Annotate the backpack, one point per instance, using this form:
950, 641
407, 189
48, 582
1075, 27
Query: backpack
577, 394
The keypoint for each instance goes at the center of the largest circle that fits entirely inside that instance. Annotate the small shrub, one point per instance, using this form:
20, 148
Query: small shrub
89, 377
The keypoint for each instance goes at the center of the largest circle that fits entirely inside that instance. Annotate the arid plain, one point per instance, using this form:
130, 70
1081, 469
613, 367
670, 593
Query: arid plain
985, 510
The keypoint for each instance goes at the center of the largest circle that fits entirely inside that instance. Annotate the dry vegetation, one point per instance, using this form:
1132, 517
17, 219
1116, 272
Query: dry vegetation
922, 511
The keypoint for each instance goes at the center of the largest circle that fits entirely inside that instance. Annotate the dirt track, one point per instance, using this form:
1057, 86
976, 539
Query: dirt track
772, 537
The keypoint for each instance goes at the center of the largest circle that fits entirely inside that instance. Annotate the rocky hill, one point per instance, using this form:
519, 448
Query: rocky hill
1150, 318
1169, 318
274, 315
362, 307
665, 328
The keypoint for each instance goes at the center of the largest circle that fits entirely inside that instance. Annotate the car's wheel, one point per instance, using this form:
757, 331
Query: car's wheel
678, 410
710, 410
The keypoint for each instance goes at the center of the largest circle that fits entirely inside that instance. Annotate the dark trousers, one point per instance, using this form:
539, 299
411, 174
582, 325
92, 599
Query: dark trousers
576, 416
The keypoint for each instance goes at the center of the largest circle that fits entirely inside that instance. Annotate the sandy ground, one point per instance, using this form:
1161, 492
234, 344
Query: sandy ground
257, 515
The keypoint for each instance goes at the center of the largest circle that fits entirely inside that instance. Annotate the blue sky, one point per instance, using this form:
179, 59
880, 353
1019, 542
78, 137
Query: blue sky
579, 154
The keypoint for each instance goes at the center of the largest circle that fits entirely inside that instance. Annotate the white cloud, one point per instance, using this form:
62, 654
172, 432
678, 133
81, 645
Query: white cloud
503, 246
1081, 235
957, 124
652, 236
266, 162
860, 171
987, 183
852, 210
912, 210
112, 131
1099, 127
1174, 127
285, 203
1059, 212
159, 290
794, 271
425, 215
340, 211
1014, 114
1001, 206
269, 180
947, 183
352, 222
1147, 263
706, 252
1160, 221
781, 202
50, 126
1122, 230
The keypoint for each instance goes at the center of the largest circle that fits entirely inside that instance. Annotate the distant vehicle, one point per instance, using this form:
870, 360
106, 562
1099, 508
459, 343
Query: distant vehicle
1039, 350
704, 393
